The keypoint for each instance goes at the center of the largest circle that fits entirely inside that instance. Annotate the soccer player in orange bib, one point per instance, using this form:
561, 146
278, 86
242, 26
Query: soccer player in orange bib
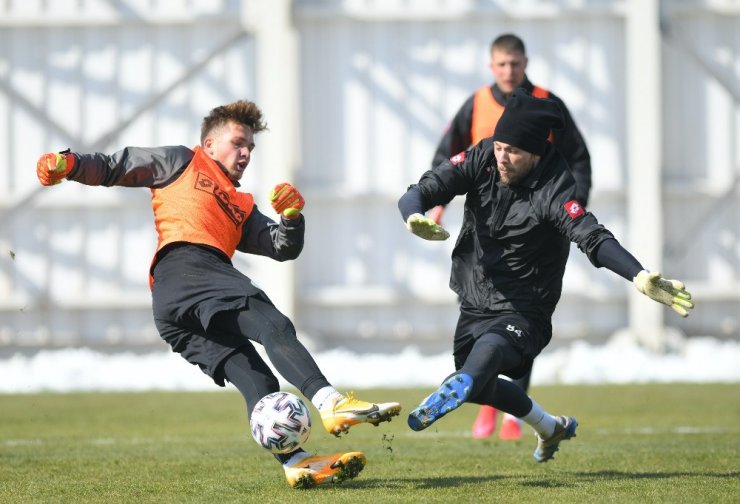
204, 308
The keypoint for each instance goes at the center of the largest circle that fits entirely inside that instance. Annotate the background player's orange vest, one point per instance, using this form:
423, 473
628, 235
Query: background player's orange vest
201, 206
487, 111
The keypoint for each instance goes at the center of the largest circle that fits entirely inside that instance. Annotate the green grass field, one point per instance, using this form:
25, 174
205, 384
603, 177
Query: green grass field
637, 443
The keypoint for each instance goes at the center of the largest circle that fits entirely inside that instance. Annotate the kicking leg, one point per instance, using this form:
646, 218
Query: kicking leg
253, 378
489, 354
246, 370
263, 323
480, 364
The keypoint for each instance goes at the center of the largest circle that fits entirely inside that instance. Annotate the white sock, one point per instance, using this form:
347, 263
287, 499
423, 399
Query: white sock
296, 458
541, 421
325, 394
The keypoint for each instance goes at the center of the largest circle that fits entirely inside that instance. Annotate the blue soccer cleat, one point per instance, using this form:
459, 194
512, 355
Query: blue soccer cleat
453, 392
565, 428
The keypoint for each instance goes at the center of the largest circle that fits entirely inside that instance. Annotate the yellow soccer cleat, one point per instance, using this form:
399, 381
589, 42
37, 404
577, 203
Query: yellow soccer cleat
321, 469
347, 411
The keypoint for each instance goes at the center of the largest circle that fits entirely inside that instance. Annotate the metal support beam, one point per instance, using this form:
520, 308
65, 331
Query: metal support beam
644, 195
99, 144
271, 23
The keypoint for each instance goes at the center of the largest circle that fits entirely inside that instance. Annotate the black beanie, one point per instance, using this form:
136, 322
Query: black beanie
526, 122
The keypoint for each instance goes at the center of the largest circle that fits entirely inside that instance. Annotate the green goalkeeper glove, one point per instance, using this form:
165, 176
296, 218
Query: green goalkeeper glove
669, 292
426, 228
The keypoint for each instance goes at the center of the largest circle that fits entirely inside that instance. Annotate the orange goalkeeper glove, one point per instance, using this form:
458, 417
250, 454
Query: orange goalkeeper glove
53, 167
287, 201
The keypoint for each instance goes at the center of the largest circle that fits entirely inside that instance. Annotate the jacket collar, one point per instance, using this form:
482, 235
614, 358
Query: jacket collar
533, 179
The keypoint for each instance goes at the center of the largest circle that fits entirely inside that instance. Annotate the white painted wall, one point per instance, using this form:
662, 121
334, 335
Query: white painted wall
374, 84
95, 76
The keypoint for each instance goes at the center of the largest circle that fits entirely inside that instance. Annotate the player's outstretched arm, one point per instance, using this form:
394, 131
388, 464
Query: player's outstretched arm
426, 228
128, 167
669, 292
53, 167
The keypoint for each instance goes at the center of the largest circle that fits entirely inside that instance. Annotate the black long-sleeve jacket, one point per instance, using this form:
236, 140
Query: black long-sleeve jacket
568, 140
514, 241
157, 167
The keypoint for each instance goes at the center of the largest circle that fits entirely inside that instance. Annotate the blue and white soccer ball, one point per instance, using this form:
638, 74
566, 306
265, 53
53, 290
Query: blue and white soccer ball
280, 422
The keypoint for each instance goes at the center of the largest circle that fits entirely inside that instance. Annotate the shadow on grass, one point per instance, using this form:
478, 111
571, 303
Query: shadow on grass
622, 475
422, 483
567, 480
617, 475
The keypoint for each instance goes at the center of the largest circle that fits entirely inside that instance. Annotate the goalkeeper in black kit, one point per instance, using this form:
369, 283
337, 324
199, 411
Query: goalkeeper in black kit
521, 212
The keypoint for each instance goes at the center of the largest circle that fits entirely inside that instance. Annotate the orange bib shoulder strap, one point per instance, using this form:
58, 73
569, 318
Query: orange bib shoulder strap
539, 92
486, 113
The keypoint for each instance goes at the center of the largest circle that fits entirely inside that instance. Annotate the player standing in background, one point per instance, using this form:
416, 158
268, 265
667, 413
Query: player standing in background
477, 120
204, 308
521, 214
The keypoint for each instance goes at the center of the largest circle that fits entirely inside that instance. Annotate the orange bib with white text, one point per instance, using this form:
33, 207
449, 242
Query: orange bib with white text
202, 206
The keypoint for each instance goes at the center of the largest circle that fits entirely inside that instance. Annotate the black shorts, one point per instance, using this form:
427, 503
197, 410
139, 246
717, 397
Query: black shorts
191, 285
526, 334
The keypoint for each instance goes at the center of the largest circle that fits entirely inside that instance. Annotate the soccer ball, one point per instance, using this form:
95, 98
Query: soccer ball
280, 422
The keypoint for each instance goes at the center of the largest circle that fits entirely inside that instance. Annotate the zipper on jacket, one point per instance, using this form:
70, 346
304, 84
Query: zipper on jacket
501, 208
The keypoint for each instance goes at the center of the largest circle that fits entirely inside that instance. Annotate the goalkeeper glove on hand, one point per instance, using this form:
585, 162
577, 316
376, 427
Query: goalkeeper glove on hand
426, 228
669, 292
54, 167
287, 201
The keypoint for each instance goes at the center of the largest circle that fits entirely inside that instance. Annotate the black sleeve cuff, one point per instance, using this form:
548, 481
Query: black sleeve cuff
616, 258
410, 203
